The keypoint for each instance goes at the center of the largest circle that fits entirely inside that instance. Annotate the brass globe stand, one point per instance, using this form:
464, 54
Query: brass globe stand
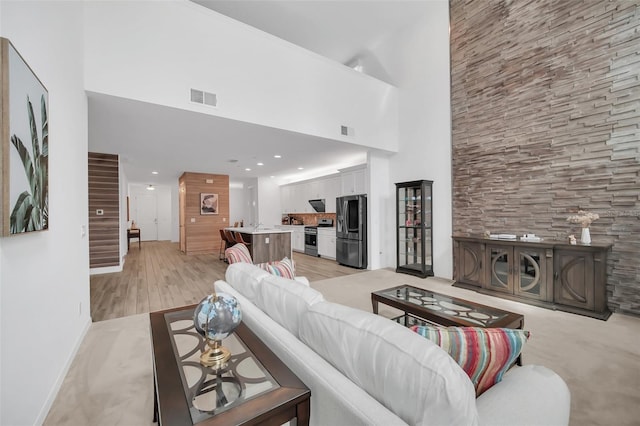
215, 356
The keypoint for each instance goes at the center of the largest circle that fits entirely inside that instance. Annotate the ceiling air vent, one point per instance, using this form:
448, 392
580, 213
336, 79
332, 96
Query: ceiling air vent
204, 98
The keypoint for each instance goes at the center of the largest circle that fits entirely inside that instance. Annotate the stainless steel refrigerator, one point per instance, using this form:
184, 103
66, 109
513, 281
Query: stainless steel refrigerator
351, 230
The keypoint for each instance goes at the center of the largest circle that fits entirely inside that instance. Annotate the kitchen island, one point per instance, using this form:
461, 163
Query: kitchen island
266, 244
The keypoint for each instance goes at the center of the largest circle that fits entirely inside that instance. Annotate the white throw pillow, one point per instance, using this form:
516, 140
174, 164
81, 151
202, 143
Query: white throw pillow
245, 277
412, 377
285, 300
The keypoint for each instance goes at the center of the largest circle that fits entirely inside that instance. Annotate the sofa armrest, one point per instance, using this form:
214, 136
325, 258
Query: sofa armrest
529, 395
302, 280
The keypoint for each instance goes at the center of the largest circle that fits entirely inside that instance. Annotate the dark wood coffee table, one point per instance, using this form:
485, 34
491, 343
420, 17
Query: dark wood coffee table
256, 388
439, 309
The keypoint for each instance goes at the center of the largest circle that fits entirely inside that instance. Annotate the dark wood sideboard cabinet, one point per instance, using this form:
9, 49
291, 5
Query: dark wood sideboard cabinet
549, 274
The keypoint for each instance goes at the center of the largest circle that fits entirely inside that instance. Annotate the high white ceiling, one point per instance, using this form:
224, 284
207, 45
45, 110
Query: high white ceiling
339, 30
179, 141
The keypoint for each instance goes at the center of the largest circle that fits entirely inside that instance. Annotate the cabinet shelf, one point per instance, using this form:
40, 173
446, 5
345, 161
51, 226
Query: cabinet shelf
413, 228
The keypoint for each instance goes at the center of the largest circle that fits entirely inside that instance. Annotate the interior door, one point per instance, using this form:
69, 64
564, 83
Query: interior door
147, 216
164, 215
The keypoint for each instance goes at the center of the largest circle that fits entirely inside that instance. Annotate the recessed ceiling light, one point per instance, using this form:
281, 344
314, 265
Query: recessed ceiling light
271, 177
260, 164
277, 156
300, 168
150, 188
154, 172
248, 169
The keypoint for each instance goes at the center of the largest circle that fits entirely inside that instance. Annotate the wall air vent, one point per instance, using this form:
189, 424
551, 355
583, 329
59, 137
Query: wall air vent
210, 99
197, 96
346, 131
203, 98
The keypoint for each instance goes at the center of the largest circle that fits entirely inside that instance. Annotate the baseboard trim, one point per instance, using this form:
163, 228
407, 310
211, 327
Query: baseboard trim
106, 269
53, 393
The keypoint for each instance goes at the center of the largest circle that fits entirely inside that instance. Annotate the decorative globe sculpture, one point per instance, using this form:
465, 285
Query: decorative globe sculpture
215, 317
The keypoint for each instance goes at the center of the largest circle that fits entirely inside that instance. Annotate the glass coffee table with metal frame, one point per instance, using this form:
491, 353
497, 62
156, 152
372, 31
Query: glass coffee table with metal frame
422, 306
254, 388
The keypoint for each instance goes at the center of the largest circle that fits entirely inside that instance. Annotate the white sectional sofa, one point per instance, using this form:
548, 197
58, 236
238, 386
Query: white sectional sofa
363, 369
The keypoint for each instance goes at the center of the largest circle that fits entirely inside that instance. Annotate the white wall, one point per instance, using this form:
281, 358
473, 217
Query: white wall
240, 208
381, 213
124, 223
159, 50
175, 213
44, 276
269, 204
418, 61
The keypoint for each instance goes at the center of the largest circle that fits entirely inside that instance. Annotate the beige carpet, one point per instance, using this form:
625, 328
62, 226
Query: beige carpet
599, 360
111, 383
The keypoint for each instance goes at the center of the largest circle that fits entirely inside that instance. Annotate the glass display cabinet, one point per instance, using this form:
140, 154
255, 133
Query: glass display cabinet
413, 228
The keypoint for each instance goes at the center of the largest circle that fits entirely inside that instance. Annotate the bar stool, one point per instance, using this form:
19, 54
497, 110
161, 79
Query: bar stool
224, 244
240, 240
231, 238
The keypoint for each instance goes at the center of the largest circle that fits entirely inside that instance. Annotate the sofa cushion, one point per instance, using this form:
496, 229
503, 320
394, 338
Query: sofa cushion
238, 253
411, 376
285, 300
283, 268
245, 278
485, 354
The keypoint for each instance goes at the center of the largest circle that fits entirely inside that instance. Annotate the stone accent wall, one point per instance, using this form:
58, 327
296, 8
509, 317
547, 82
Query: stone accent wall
546, 121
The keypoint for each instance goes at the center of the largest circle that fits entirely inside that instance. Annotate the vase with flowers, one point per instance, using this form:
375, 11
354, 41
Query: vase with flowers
584, 218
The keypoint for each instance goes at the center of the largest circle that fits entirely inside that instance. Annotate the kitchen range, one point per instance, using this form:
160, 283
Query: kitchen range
311, 236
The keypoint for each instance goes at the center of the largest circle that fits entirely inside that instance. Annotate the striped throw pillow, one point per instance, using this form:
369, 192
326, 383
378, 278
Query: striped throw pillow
485, 354
238, 253
283, 268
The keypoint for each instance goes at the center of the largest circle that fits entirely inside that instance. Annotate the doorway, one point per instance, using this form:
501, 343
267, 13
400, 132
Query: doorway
151, 211
146, 214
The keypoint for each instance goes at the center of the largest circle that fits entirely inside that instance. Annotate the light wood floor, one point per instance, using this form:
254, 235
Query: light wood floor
159, 276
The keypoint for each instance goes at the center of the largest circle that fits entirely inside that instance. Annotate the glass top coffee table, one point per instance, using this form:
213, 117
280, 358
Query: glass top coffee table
254, 388
423, 306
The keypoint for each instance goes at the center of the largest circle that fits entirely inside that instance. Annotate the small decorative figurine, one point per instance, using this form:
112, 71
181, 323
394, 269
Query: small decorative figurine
572, 240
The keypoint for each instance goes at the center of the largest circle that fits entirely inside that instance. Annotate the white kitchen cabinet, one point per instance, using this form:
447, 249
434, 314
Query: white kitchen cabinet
303, 197
353, 181
297, 239
285, 198
327, 242
316, 189
331, 191
297, 193
295, 196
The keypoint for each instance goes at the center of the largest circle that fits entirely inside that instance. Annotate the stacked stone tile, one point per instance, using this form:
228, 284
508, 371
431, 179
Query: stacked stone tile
546, 121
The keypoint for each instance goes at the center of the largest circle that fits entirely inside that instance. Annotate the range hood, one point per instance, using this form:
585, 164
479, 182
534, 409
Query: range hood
318, 205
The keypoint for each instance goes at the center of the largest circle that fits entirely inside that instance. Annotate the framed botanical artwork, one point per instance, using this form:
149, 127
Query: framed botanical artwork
24, 145
208, 203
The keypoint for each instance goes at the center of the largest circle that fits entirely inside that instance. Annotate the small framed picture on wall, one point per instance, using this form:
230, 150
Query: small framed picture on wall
208, 203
